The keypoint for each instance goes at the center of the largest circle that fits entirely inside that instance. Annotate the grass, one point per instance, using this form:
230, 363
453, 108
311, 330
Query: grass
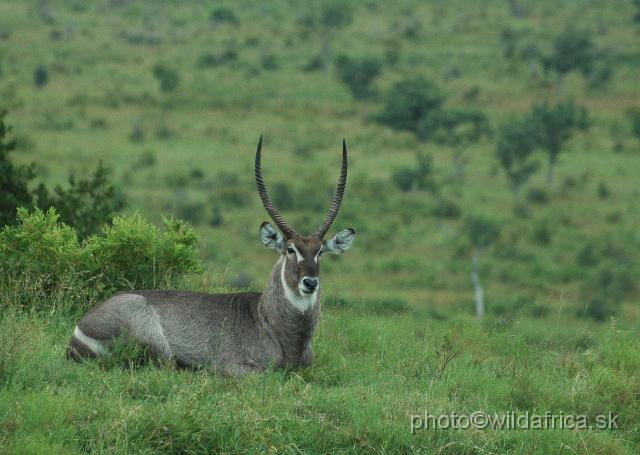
399, 304
371, 375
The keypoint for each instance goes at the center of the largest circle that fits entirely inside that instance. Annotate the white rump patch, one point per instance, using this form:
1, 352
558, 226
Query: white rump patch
301, 302
89, 342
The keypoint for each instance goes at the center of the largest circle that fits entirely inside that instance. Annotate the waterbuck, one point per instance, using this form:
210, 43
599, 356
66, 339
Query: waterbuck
233, 334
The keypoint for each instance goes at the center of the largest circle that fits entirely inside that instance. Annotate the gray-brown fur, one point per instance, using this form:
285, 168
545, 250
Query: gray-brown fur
230, 333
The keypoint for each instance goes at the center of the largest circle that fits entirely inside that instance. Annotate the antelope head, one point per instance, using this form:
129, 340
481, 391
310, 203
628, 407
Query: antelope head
301, 255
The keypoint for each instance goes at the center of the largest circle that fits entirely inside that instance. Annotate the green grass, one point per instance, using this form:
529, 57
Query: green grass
371, 375
404, 286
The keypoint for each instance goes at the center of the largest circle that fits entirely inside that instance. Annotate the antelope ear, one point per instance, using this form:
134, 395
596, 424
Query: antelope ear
340, 242
270, 236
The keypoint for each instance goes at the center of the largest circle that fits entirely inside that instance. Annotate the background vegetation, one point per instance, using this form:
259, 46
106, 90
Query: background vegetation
497, 137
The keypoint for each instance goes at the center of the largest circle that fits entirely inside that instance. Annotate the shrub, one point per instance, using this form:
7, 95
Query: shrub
633, 116
409, 103
14, 180
222, 16
538, 195
86, 204
358, 74
270, 62
603, 191
217, 218
40, 76
132, 253
210, 60
418, 178
572, 50
446, 208
167, 77
542, 233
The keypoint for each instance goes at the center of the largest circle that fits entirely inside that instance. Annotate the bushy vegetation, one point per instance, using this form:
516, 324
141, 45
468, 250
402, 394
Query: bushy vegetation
86, 203
42, 258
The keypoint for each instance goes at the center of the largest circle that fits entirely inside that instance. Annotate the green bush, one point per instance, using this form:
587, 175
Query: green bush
409, 103
86, 204
14, 180
358, 74
167, 77
40, 76
130, 254
223, 15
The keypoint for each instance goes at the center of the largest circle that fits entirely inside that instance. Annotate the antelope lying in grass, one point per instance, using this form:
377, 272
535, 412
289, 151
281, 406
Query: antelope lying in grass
233, 334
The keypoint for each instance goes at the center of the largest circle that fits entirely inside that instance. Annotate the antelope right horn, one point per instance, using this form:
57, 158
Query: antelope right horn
287, 230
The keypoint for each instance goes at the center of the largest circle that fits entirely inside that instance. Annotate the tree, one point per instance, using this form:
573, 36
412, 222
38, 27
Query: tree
326, 20
410, 103
514, 149
633, 115
167, 77
358, 74
482, 232
573, 50
87, 204
457, 129
554, 126
636, 16
14, 180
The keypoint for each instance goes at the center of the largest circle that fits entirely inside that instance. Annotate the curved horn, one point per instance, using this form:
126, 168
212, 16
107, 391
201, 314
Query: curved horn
266, 200
337, 197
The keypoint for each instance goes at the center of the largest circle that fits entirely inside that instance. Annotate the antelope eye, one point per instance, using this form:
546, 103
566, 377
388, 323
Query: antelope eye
290, 250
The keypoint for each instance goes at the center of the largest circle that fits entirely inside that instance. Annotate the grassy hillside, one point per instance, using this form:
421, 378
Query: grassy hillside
78, 80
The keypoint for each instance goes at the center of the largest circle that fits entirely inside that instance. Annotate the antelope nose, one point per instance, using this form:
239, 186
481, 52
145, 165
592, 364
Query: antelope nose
310, 283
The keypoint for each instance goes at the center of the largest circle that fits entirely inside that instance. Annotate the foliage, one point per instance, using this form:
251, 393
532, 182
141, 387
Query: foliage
482, 230
418, 178
515, 147
335, 14
457, 128
573, 50
358, 74
168, 78
633, 115
410, 104
86, 204
555, 125
40, 76
132, 253
224, 15
14, 179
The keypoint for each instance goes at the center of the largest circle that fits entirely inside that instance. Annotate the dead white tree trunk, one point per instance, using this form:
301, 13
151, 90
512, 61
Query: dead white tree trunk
477, 285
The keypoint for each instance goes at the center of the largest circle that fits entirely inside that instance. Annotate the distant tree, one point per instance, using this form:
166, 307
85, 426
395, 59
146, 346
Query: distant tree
482, 232
40, 76
554, 126
410, 104
509, 41
418, 178
457, 129
87, 204
168, 78
14, 180
636, 16
573, 50
326, 20
633, 115
222, 16
517, 142
358, 74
